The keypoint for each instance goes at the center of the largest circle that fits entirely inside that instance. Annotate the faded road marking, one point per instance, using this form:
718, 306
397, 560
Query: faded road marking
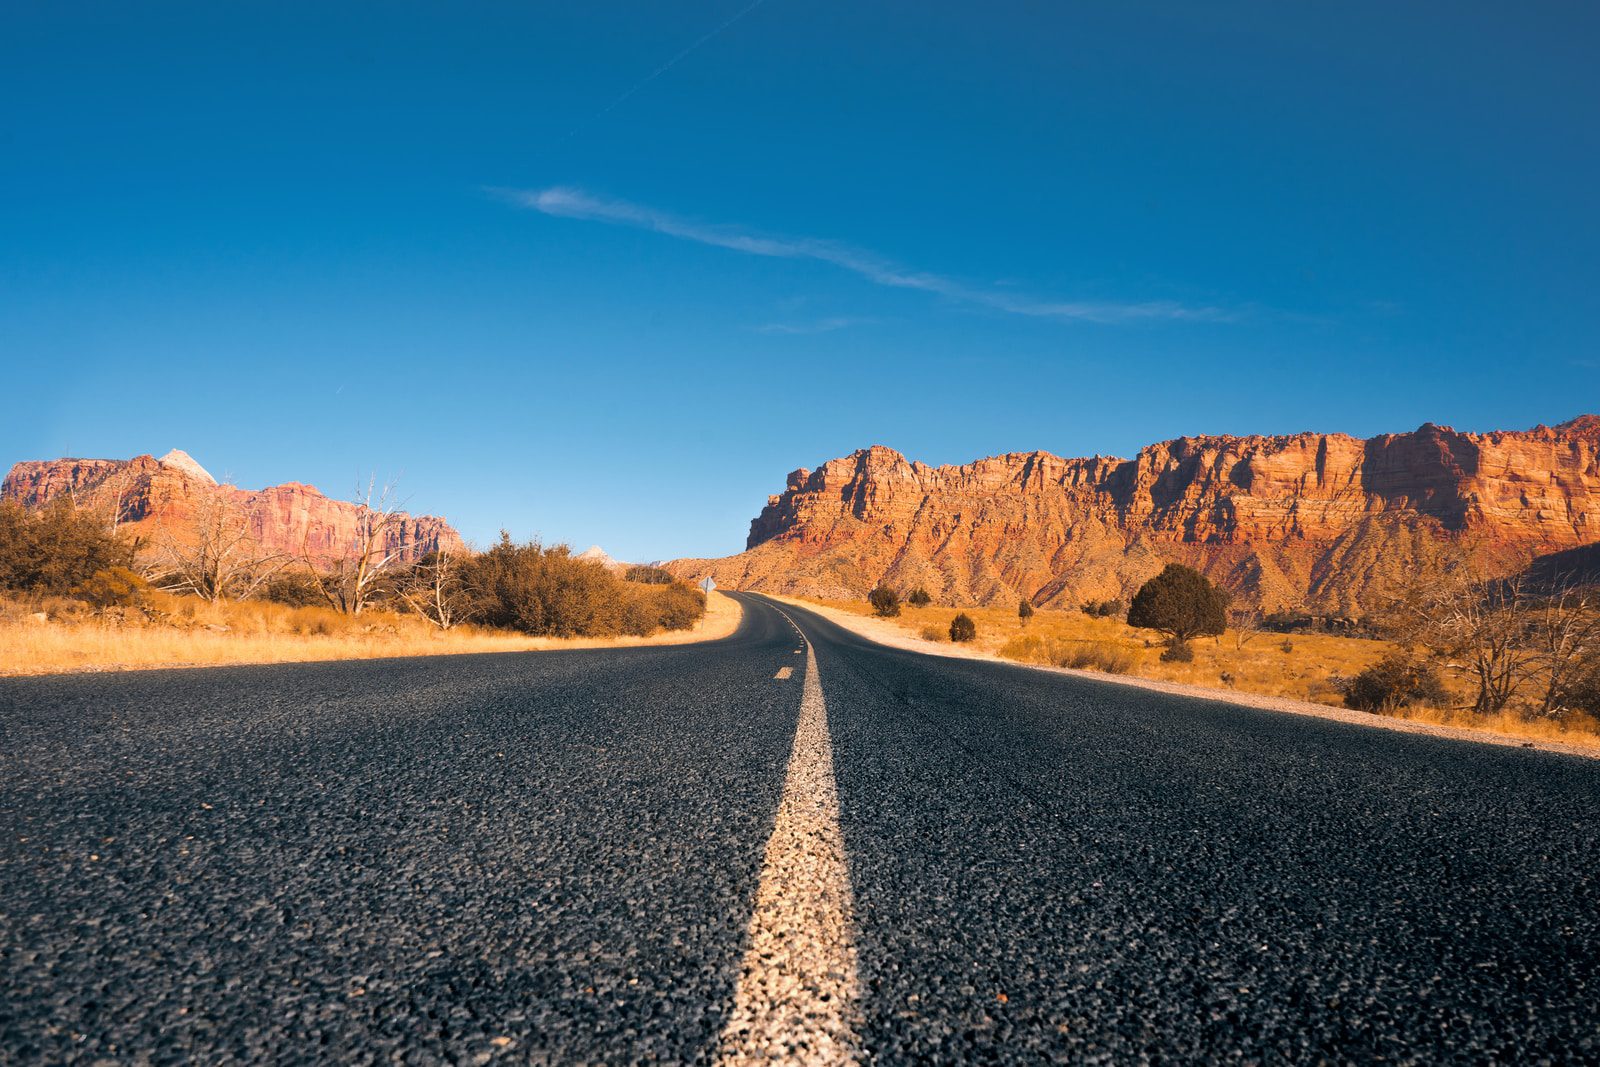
784, 673
796, 1000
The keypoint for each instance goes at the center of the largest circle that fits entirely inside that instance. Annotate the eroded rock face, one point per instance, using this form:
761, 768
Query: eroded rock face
1312, 520
155, 495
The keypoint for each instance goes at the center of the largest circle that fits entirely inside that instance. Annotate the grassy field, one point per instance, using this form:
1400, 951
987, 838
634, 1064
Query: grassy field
1299, 666
190, 632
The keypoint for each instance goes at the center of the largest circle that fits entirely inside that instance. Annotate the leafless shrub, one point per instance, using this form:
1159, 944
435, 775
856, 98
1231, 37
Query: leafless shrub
213, 556
435, 589
351, 578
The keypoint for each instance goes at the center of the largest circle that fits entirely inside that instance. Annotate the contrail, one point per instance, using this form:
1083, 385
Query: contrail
653, 75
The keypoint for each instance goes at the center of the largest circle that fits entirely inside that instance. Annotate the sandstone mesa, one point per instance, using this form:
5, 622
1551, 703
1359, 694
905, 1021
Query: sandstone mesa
152, 494
1324, 522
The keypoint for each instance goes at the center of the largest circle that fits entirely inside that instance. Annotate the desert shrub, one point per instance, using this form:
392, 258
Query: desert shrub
679, 606
1097, 656
317, 621
1024, 611
1107, 656
919, 598
1286, 622
638, 617
1027, 648
113, 587
885, 602
1115, 660
56, 548
294, 589
1584, 694
648, 575
547, 591
1393, 682
1103, 609
1287, 646
1181, 603
933, 633
962, 628
1177, 652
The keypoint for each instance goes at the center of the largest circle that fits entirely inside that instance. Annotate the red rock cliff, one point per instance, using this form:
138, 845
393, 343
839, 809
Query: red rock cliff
1315, 520
152, 494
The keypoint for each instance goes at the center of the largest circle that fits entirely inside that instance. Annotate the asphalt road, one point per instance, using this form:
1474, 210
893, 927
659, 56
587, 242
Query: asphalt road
583, 857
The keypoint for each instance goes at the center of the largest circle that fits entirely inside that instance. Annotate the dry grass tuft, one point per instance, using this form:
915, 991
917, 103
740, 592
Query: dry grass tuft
1083, 655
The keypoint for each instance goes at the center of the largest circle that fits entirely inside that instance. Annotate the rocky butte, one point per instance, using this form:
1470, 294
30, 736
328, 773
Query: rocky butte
1323, 522
147, 495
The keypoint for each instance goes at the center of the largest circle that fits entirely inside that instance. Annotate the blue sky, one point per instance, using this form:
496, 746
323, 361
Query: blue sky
605, 272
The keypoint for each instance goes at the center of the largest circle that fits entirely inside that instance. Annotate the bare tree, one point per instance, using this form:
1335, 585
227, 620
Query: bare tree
1478, 627
112, 494
349, 579
1565, 637
434, 589
215, 557
1246, 624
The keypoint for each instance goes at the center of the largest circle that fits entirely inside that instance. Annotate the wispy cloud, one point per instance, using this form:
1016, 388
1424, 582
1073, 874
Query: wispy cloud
819, 326
571, 203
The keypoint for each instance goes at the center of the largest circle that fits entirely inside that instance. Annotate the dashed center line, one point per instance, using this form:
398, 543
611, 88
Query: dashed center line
784, 674
796, 1002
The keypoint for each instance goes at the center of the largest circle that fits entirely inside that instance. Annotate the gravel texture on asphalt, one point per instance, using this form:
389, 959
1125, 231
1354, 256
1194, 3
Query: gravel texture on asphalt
547, 857
1050, 868
555, 857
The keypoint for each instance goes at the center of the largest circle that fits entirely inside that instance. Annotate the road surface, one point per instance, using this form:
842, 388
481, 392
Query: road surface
806, 848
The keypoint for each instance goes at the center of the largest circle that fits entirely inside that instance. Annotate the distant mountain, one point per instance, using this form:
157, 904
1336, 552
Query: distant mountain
1321, 521
596, 554
150, 494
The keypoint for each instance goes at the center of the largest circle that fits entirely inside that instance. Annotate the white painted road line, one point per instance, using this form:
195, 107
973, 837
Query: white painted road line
796, 1002
784, 674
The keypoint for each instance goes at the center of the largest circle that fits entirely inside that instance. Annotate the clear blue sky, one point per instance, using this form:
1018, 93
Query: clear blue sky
497, 251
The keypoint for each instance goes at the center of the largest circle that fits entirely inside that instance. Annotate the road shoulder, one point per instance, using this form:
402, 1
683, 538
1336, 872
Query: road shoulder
887, 634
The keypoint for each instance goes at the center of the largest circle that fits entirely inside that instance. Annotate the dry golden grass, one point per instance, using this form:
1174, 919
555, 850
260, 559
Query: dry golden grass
193, 633
1300, 666
1576, 729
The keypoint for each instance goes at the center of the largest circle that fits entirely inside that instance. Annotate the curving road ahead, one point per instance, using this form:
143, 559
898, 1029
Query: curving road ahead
772, 846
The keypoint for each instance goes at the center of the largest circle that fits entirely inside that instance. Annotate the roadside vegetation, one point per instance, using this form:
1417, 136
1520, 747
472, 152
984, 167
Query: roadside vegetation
77, 593
1453, 648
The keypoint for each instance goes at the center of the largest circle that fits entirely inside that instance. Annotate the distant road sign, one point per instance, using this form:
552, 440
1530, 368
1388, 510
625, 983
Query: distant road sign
708, 583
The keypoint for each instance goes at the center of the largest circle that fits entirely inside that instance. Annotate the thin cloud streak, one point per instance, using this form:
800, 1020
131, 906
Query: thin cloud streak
571, 203
820, 326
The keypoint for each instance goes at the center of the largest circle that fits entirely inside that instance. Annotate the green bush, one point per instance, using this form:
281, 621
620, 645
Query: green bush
962, 628
1393, 682
1104, 609
56, 548
1181, 603
919, 598
885, 602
